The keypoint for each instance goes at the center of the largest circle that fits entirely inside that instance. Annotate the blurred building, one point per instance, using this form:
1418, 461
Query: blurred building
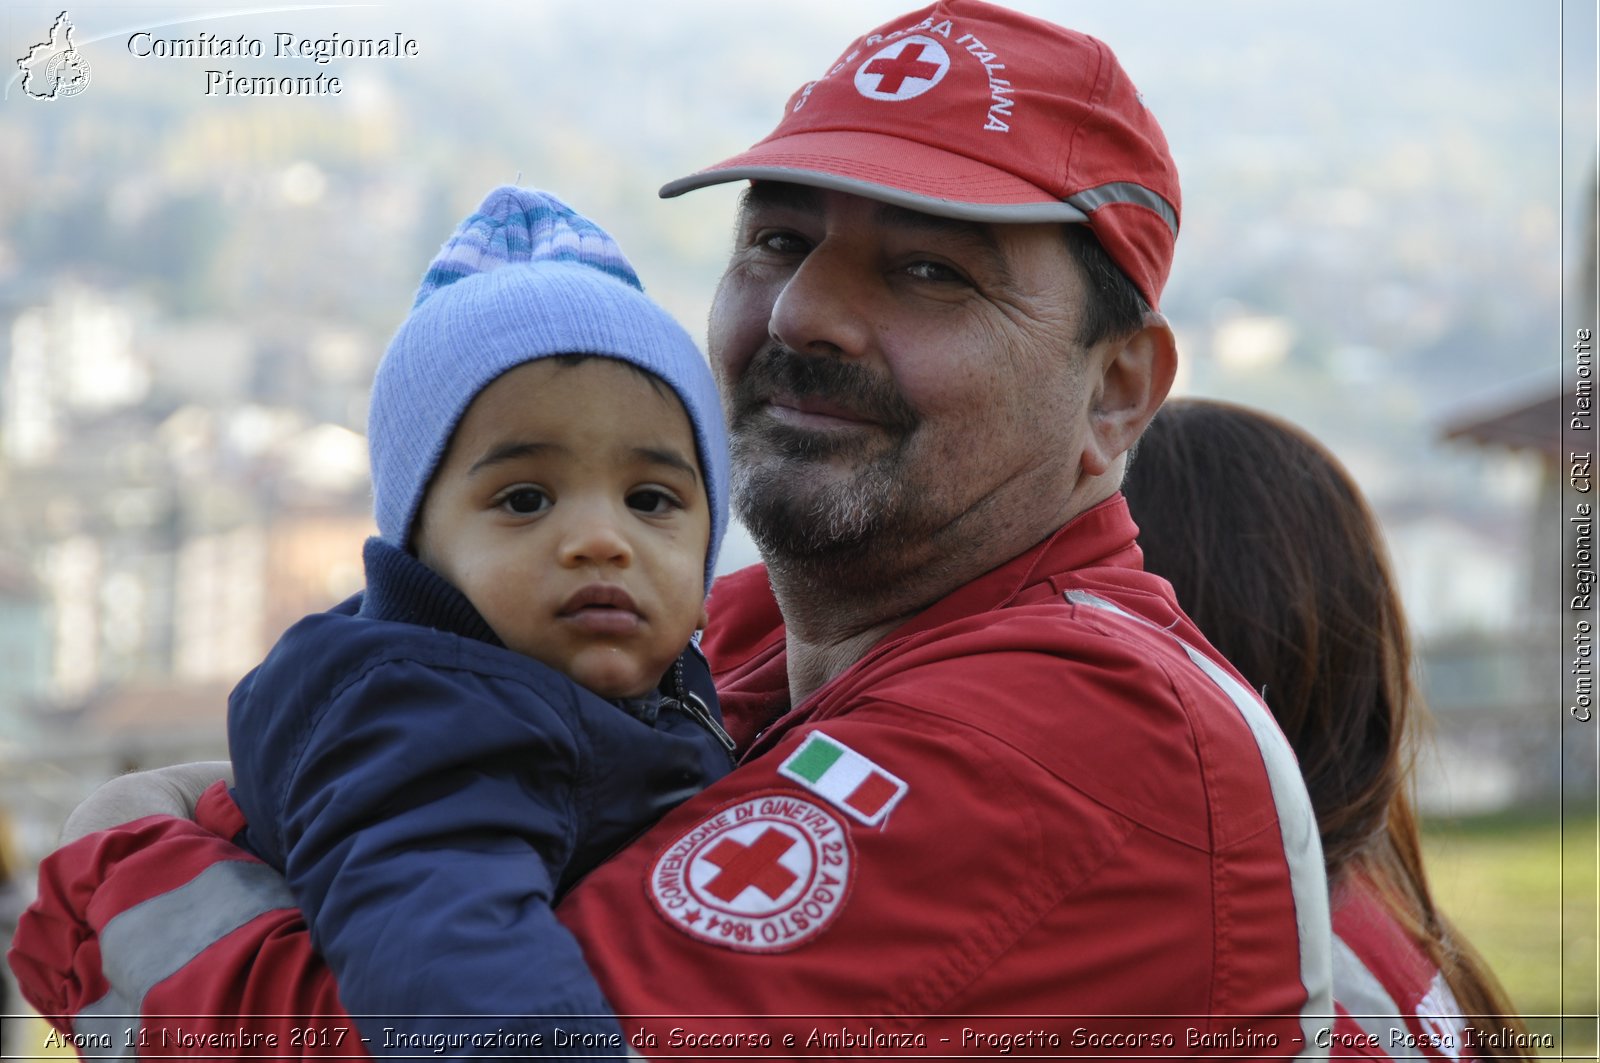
161, 527
1499, 693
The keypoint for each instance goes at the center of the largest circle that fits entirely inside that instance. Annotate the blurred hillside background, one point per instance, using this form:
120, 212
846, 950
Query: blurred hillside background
1388, 206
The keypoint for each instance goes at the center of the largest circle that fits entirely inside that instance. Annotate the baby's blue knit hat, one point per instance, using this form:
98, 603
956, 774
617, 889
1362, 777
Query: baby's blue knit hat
522, 278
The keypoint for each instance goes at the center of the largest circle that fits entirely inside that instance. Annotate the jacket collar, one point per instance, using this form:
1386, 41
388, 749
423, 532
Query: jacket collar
1101, 537
402, 589
745, 639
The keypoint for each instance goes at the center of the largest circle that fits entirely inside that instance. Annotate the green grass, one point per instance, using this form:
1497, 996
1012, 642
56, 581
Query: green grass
1523, 889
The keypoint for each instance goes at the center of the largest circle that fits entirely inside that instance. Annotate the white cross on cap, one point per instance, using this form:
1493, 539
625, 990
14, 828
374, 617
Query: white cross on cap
903, 69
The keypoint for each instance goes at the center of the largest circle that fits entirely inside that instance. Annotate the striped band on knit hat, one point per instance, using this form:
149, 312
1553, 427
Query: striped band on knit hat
524, 277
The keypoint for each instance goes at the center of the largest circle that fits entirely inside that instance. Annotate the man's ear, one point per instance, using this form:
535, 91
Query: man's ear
705, 614
1135, 374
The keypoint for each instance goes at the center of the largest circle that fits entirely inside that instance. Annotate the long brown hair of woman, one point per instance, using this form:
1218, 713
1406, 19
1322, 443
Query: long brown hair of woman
1275, 555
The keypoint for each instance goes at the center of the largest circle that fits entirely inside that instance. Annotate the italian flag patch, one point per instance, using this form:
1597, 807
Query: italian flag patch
844, 777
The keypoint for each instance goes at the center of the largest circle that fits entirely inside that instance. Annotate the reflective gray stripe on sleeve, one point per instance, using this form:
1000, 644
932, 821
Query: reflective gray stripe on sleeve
1092, 199
111, 1022
1302, 845
1362, 995
150, 942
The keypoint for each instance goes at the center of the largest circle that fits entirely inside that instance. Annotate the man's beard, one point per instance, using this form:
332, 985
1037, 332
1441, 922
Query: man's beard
871, 504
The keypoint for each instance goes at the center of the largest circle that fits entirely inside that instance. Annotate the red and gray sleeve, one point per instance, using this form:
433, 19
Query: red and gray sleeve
107, 953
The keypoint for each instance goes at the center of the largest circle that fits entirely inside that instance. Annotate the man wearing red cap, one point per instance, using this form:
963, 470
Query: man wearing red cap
996, 792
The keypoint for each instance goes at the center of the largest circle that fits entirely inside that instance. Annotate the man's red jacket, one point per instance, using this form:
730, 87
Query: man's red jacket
1039, 817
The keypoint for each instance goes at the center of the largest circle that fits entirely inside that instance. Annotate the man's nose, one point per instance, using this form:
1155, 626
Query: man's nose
592, 534
825, 307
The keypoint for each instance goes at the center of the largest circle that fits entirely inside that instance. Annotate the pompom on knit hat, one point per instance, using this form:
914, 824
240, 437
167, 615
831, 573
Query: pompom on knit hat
524, 277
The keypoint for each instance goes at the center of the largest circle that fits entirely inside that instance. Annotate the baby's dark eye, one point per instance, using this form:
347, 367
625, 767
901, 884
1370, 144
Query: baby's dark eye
652, 501
525, 501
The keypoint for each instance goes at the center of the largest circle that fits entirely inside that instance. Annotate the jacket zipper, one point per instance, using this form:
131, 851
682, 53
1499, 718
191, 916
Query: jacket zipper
690, 705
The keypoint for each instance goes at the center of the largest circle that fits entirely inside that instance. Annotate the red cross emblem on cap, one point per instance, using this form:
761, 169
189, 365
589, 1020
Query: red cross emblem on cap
903, 69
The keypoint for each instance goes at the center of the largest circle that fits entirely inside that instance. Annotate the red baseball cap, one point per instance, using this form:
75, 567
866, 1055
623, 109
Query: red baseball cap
970, 110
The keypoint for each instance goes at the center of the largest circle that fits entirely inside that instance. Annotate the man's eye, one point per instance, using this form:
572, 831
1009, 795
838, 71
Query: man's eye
652, 501
525, 501
937, 272
783, 242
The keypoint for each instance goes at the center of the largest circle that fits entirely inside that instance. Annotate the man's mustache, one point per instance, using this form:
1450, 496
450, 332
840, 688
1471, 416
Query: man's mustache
779, 369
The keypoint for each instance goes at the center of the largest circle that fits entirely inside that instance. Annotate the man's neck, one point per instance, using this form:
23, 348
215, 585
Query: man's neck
833, 618
813, 665
834, 612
